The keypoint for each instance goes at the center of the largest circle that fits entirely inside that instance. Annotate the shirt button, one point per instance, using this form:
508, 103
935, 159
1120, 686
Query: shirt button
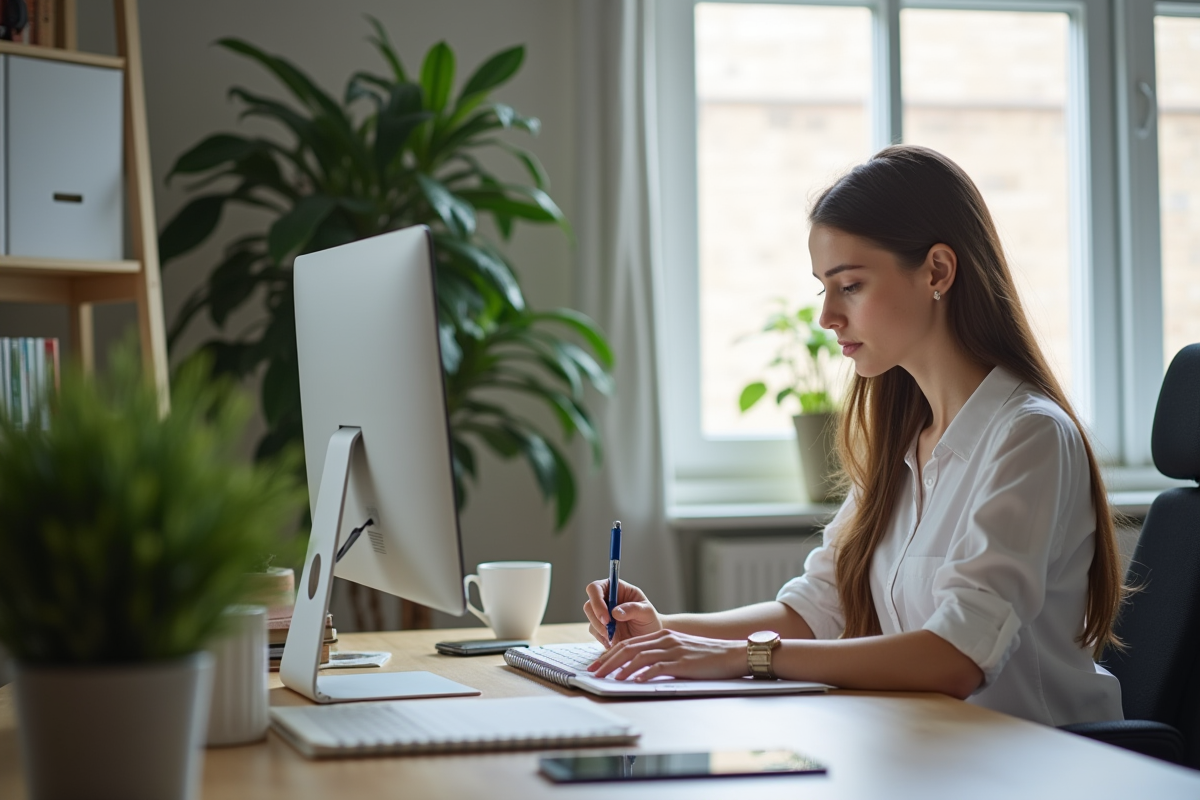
929, 482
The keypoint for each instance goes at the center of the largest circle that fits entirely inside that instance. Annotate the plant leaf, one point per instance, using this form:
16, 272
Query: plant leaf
533, 166
493, 269
397, 120
451, 353
437, 76
585, 327
509, 118
365, 85
383, 44
564, 491
293, 230
457, 214
493, 72
751, 395
601, 379
500, 439
191, 226
280, 389
217, 149
231, 284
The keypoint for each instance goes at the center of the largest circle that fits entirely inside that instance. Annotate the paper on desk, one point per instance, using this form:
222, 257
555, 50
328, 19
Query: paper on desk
352, 660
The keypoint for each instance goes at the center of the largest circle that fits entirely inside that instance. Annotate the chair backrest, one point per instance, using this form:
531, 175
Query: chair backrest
1160, 669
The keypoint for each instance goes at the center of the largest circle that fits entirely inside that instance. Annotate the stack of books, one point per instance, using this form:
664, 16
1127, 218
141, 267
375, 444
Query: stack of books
29, 377
277, 631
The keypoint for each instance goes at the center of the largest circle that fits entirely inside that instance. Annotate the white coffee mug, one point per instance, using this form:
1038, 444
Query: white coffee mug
514, 595
238, 713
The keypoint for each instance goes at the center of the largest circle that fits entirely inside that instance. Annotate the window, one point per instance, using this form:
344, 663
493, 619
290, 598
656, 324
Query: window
1177, 68
782, 95
989, 89
761, 104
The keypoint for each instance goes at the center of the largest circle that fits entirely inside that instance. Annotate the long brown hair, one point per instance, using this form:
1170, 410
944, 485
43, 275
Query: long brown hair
905, 200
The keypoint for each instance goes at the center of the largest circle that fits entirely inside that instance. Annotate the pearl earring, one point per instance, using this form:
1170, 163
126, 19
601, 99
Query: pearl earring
937, 295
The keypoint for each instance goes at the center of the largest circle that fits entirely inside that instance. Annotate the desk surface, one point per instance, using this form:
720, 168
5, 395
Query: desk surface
876, 745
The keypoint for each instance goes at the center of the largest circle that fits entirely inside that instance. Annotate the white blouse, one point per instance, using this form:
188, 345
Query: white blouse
991, 554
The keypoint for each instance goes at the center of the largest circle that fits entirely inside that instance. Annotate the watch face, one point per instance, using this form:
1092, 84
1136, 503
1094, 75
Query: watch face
763, 637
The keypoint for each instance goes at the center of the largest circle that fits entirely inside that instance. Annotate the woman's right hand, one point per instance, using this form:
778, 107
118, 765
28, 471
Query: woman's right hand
635, 615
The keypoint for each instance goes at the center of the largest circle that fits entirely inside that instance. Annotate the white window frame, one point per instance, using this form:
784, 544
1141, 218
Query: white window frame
1117, 359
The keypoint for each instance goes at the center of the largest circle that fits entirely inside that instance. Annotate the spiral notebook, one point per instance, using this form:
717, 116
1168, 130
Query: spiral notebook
566, 665
448, 726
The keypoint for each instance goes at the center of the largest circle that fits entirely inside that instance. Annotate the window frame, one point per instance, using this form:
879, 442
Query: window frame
1117, 359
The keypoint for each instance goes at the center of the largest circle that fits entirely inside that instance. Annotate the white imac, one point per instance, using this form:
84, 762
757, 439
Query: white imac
377, 446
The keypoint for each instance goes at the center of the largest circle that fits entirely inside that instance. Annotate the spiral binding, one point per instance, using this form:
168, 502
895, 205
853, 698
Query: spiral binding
515, 658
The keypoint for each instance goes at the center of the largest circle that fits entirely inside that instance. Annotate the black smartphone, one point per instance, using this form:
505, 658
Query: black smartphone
584, 767
478, 647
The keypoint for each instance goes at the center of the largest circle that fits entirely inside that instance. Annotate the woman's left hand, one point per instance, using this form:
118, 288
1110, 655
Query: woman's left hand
678, 655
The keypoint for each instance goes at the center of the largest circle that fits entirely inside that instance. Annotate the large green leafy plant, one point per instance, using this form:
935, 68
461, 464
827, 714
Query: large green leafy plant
124, 536
396, 151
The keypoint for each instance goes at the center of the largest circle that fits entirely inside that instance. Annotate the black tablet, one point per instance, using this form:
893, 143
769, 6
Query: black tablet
634, 766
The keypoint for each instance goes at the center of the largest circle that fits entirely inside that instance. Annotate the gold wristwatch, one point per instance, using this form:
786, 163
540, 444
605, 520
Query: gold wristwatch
759, 647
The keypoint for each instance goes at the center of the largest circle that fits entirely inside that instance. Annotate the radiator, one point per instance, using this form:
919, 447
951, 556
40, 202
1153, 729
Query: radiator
738, 571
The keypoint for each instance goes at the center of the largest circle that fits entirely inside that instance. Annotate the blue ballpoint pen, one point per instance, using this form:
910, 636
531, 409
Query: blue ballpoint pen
614, 578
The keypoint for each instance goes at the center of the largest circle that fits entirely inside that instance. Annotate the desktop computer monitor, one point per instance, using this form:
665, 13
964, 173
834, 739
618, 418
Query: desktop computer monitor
377, 448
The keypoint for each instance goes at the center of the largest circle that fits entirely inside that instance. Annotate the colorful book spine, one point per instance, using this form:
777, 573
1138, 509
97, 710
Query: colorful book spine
4, 394
29, 378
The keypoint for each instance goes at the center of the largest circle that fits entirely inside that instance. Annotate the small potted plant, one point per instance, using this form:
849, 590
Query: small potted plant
805, 357
123, 537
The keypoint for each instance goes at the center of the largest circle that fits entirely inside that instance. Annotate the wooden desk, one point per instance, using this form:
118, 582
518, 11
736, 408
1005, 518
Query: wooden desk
876, 745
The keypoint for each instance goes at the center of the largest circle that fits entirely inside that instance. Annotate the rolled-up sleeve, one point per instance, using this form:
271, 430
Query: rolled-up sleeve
814, 594
994, 578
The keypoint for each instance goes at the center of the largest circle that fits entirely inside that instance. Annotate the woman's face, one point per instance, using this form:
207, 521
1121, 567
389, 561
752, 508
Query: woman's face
880, 311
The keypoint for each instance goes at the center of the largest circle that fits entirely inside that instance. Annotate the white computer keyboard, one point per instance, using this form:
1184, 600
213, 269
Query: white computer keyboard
571, 657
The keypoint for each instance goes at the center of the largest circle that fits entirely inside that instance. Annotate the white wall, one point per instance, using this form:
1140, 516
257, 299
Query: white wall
186, 81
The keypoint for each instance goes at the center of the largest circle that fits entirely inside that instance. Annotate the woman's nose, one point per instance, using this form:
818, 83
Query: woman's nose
828, 320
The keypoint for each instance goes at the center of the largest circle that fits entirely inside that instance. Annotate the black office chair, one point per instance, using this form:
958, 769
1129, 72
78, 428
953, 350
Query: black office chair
1160, 670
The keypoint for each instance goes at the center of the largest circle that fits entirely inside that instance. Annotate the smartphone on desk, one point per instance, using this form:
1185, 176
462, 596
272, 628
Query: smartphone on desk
478, 647
637, 766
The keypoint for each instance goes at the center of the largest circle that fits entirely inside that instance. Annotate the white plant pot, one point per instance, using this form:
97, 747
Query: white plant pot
128, 731
816, 437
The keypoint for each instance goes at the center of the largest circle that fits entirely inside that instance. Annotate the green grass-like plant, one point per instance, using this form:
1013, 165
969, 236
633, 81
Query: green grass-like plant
124, 536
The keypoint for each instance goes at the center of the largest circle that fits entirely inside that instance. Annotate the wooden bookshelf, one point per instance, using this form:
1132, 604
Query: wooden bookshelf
80, 284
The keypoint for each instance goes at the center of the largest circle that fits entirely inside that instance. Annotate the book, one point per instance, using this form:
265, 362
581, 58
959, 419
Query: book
283, 623
29, 379
44, 16
4, 393
279, 635
275, 656
449, 726
15, 382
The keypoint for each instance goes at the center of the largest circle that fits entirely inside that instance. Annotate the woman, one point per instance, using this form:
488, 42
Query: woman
975, 554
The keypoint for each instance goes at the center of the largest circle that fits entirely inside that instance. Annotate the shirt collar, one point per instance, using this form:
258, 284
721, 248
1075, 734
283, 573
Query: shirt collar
968, 426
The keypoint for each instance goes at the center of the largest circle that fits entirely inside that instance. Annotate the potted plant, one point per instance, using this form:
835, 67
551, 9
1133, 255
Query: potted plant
123, 538
805, 355
396, 150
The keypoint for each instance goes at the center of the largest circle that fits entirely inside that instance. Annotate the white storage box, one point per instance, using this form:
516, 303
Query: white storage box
63, 184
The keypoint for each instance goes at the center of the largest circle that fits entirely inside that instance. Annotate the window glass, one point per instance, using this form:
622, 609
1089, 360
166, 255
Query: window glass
989, 90
1177, 57
782, 111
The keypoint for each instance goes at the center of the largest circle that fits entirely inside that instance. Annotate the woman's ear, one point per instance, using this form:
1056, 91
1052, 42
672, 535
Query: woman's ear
942, 262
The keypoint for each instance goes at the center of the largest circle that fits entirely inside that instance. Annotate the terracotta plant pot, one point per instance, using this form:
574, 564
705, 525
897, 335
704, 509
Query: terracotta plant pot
816, 437
131, 731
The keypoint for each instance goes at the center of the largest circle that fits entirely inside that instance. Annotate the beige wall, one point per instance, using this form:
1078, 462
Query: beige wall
186, 83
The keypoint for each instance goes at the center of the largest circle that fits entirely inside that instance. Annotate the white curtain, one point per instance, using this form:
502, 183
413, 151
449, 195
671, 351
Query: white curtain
620, 286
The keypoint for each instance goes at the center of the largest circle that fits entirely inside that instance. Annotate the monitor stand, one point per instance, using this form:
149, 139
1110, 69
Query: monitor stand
302, 653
